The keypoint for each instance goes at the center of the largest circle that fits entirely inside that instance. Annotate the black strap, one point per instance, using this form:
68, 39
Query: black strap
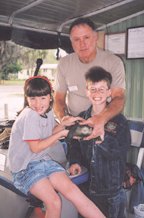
39, 62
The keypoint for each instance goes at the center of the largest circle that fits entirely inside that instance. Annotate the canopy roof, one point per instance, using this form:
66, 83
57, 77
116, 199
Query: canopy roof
36, 23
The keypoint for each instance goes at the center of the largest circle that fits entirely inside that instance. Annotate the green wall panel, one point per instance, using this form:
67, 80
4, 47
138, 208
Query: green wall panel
134, 106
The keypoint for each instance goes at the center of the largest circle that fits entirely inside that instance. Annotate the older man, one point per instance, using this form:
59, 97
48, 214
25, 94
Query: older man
70, 91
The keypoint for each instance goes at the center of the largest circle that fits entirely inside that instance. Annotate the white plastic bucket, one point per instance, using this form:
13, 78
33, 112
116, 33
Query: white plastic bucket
139, 211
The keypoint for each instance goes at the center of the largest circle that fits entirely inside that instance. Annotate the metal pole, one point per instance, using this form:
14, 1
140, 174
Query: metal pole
6, 111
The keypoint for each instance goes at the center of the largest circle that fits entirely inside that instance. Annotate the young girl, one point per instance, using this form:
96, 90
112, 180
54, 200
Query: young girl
31, 153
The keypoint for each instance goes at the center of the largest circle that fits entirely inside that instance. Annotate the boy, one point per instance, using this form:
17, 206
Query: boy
105, 159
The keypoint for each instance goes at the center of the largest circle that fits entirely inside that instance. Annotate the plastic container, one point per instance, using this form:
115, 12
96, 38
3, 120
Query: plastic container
139, 211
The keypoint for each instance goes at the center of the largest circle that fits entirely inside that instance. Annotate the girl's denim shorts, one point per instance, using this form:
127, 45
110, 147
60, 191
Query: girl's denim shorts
35, 171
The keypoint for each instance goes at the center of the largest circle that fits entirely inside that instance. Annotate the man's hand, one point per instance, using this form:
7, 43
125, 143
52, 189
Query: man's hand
74, 169
97, 122
70, 120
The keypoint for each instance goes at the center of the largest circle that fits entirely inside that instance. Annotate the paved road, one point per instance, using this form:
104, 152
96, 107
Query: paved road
12, 96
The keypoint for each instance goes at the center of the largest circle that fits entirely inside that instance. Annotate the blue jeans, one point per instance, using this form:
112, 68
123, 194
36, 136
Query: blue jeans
111, 206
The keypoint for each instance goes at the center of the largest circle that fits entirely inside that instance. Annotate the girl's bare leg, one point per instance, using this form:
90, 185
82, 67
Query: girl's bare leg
68, 189
44, 191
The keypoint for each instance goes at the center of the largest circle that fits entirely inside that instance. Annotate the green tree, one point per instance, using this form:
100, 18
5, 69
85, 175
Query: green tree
14, 58
29, 57
11, 69
9, 53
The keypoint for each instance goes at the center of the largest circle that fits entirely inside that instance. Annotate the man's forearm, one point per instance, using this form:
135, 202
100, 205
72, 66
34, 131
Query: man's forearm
59, 111
60, 105
113, 108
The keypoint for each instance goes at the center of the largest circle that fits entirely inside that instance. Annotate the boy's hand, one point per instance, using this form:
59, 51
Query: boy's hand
74, 169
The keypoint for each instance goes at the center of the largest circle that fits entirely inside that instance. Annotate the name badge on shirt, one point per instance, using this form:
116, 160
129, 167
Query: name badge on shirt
73, 88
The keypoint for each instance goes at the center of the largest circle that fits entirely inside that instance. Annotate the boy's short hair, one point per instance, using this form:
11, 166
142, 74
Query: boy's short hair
81, 21
97, 74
